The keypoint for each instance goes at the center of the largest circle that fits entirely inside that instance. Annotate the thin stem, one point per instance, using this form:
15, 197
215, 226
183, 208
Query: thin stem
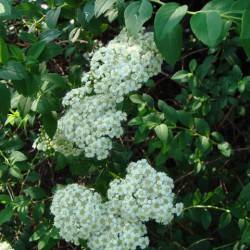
224, 246
157, 1
207, 207
231, 17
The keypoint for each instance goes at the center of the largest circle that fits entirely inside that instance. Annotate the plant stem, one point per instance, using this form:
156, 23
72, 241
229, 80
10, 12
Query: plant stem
157, 1
207, 207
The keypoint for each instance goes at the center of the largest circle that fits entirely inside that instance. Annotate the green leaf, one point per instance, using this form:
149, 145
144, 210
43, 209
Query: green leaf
5, 8
225, 219
169, 112
136, 14
50, 35
6, 215
168, 32
24, 105
101, 6
49, 121
245, 32
36, 50
162, 132
208, 27
52, 17
201, 126
221, 6
185, 118
89, 10
225, 149
245, 238
245, 194
36, 193
4, 54
13, 71
206, 219
5, 100
17, 156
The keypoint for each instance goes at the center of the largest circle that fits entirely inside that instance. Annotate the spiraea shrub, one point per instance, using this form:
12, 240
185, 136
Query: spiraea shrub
124, 125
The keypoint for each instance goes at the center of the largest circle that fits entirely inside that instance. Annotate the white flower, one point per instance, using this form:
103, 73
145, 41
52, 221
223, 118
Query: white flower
90, 122
77, 212
144, 195
124, 64
118, 234
5, 246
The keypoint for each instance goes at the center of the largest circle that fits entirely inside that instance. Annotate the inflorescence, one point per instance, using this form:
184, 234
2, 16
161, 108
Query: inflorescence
91, 119
143, 195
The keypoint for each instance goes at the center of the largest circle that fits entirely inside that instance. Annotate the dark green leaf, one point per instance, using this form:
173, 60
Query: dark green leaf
6, 215
225, 219
49, 121
52, 17
50, 35
36, 193
5, 100
245, 32
24, 105
13, 71
36, 50
4, 53
206, 219
168, 32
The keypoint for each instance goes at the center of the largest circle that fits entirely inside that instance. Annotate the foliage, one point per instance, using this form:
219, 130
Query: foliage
191, 121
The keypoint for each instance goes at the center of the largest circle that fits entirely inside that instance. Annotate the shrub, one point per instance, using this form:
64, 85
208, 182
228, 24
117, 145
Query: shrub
124, 124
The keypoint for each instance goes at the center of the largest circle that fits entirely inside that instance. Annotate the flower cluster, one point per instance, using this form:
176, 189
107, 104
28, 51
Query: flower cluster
119, 234
143, 195
91, 119
5, 246
91, 122
124, 64
77, 212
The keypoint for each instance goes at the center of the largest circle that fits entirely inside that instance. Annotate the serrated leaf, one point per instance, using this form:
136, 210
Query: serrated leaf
136, 14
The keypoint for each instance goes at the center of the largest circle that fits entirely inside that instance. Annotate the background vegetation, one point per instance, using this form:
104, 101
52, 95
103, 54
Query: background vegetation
191, 121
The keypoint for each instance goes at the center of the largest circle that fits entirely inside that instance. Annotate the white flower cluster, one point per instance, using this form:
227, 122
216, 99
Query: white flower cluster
117, 224
77, 211
144, 195
91, 122
119, 234
5, 246
124, 64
